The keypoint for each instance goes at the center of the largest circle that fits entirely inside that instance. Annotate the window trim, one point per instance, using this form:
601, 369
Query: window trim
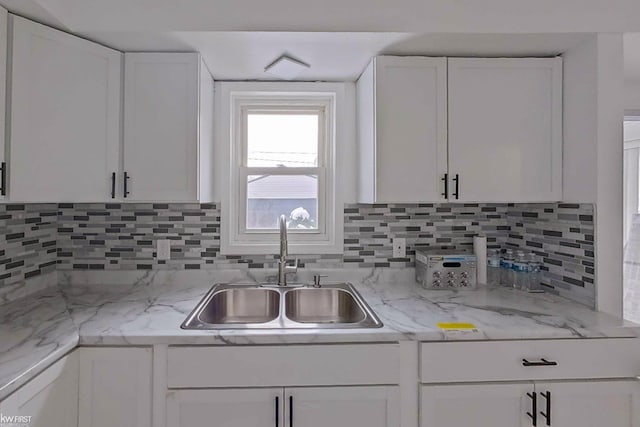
234, 96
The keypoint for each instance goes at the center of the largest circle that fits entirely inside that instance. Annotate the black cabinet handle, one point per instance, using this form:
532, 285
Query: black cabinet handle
3, 177
547, 416
290, 411
446, 186
277, 411
457, 181
534, 409
126, 179
541, 362
113, 185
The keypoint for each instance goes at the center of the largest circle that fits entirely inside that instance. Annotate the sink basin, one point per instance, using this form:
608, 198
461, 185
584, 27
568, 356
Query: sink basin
323, 305
241, 306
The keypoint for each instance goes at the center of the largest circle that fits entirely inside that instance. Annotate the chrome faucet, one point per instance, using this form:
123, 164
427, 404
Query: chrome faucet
283, 268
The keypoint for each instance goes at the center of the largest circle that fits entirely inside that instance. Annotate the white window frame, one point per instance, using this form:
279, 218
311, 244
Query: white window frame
232, 98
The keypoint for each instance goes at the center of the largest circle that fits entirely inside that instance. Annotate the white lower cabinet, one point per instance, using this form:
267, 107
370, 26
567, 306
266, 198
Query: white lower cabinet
555, 404
491, 405
259, 407
589, 404
115, 387
48, 400
368, 406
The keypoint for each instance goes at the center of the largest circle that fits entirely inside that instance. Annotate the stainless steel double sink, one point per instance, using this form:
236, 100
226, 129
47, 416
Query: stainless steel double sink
240, 306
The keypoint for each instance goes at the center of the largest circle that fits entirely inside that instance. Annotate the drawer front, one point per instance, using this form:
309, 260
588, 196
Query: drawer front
294, 365
529, 360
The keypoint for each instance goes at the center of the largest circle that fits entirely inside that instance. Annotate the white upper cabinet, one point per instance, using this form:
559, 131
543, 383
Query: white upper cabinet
505, 129
168, 132
491, 126
65, 116
3, 94
402, 115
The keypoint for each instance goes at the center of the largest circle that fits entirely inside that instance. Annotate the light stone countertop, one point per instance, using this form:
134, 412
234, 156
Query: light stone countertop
147, 308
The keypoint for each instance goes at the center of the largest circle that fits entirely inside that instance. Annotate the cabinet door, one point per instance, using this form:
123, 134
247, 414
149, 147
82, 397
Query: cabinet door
115, 387
375, 406
483, 405
48, 400
505, 128
3, 78
403, 129
65, 116
589, 404
161, 126
225, 408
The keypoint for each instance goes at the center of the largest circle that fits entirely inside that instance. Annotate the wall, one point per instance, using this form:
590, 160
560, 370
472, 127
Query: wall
123, 237
592, 151
630, 189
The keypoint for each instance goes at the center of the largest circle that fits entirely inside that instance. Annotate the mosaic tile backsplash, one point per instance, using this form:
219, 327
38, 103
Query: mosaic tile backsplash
123, 237
563, 235
28, 236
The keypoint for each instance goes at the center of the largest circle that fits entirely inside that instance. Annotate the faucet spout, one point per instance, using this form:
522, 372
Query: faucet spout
283, 268
284, 249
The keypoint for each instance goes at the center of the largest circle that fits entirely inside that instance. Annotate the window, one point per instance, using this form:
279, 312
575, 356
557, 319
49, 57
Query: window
282, 162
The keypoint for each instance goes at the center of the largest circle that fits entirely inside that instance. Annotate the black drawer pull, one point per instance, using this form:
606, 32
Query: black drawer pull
113, 185
534, 409
277, 411
541, 362
3, 185
457, 181
126, 179
290, 411
547, 416
446, 186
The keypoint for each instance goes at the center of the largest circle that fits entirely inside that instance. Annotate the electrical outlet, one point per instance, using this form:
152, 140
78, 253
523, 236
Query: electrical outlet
399, 247
164, 249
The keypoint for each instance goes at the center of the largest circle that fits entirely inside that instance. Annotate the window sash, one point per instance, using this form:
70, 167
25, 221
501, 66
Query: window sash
323, 127
258, 234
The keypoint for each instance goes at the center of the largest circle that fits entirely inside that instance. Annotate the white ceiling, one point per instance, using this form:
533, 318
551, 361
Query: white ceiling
415, 16
332, 56
338, 37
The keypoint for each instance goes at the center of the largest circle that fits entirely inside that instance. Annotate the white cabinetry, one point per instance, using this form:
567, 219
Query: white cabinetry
48, 400
65, 116
559, 383
168, 133
402, 116
263, 407
460, 129
490, 405
372, 406
3, 96
297, 385
505, 128
115, 387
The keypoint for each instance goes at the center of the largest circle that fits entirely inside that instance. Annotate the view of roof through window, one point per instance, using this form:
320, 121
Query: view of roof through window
277, 140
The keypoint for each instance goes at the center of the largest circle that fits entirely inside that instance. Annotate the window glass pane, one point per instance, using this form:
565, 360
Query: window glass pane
294, 196
282, 139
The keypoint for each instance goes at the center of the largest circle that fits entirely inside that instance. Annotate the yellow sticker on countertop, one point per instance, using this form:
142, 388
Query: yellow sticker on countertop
458, 327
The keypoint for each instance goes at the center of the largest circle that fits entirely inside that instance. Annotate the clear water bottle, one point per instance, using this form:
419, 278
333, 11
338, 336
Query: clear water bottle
533, 282
506, 268
493, 267
521, 271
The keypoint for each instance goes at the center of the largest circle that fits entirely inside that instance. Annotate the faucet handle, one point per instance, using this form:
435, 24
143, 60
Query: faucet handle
292, 268
317, 278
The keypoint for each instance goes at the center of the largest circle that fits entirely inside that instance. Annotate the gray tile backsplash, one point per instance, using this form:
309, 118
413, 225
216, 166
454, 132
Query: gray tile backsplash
122, 236
28, 234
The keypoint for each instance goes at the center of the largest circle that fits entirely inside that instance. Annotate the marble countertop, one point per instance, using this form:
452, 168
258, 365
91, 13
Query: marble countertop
149, 310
